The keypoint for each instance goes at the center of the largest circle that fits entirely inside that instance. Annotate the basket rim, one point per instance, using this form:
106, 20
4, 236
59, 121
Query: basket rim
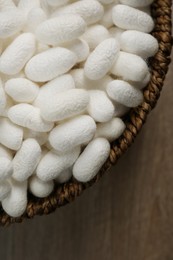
65, 193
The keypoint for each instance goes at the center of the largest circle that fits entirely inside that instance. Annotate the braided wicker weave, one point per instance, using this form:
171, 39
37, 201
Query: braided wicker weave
161, 11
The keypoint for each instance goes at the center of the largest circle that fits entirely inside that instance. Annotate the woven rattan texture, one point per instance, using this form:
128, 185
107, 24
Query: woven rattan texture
161, 11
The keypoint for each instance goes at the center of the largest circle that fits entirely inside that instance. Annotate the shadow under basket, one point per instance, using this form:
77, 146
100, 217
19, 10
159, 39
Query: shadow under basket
65, 193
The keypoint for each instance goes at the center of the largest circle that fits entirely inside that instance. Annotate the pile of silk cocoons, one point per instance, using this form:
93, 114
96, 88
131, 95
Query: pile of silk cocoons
69, 72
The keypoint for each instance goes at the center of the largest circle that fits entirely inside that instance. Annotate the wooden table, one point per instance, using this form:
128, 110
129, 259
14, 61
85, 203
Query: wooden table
128, 215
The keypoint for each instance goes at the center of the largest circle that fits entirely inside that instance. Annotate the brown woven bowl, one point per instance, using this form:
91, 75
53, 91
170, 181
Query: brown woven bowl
65, 193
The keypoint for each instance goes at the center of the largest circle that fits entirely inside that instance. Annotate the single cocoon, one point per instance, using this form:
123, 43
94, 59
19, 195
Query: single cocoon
26, 160
130, 67
53, 164
61, 29
110, 130
16, 55
102, 59
139, 43
64, 105
72, 133
15, 202
124, 93
21, 90
129, 18
91, 160
28, 116
50, 64
100, 107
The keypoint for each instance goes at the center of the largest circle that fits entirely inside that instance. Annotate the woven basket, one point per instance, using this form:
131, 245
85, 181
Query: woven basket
65, 193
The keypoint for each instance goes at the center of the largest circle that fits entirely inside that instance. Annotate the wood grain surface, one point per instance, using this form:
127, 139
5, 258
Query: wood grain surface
128, 215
